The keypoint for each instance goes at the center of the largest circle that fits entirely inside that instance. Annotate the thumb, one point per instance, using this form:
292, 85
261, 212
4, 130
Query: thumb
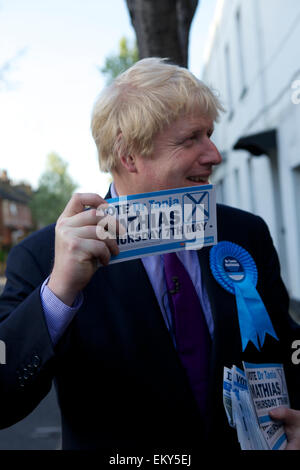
279, 413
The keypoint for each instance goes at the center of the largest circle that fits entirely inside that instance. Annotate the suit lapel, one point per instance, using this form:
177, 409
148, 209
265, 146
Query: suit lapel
226, 345
223, 308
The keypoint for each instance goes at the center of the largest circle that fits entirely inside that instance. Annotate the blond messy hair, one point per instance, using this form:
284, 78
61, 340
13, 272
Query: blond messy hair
140, 102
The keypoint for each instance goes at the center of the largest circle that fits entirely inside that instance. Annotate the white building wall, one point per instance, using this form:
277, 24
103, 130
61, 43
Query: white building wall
258, 98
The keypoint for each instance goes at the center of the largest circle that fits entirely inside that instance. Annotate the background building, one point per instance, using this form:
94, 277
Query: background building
252, 60
15, 215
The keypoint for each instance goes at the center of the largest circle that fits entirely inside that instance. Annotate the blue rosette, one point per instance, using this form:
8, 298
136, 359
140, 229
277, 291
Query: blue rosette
235, 270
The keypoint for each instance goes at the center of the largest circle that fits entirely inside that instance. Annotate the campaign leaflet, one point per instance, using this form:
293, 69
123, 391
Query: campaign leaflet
227, 402
248, 431
268, 390
246, 395
163, 221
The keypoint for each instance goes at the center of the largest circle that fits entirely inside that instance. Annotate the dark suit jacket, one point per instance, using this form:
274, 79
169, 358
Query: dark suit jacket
118, 378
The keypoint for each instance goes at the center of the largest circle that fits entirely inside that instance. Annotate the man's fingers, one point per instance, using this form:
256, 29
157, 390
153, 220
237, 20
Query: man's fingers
90, 233
106, 223
112, 246
291, 421
108, 227
278, 413
87, 231
287, 415
109, 220
79, 201
87, 217
98, 249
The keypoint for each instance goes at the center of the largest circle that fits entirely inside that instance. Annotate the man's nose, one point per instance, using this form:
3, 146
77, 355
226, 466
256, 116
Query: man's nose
211, 154
217, 156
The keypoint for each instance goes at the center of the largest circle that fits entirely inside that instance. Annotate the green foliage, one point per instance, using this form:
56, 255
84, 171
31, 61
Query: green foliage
3, 255
116, 64
54, 191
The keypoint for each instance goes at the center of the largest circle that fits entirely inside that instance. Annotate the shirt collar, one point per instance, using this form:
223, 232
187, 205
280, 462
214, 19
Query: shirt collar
113, 190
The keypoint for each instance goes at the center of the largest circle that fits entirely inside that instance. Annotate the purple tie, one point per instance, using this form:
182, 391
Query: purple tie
191, 331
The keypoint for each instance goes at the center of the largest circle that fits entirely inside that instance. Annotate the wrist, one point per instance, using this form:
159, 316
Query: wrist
62, 292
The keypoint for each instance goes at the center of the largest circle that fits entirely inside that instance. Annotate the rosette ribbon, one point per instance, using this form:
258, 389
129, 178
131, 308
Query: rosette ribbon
235, 270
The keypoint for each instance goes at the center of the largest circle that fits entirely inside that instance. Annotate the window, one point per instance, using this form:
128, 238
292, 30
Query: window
240, 50
220, 197
228, 82
13, 209
251, 185
238, 195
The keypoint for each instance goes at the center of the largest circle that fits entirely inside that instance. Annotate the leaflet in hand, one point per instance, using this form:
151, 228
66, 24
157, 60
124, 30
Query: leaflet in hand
248, 396
161, 221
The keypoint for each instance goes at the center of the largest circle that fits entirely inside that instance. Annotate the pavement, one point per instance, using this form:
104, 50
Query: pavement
2, 283
295, 316
41, 430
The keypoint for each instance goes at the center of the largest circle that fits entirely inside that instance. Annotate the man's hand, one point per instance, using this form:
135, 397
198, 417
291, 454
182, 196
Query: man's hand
291, 422
78, 249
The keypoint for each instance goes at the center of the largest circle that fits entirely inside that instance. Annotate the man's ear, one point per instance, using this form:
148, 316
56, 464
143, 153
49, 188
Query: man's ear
129, 162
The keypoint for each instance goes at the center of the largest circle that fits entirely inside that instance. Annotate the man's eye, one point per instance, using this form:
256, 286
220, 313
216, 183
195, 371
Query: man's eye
190, 139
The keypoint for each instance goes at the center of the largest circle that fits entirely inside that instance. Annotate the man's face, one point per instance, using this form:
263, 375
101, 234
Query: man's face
183, 155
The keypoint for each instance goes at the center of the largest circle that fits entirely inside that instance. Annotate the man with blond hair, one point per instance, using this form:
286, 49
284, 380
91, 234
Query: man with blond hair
106, 334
